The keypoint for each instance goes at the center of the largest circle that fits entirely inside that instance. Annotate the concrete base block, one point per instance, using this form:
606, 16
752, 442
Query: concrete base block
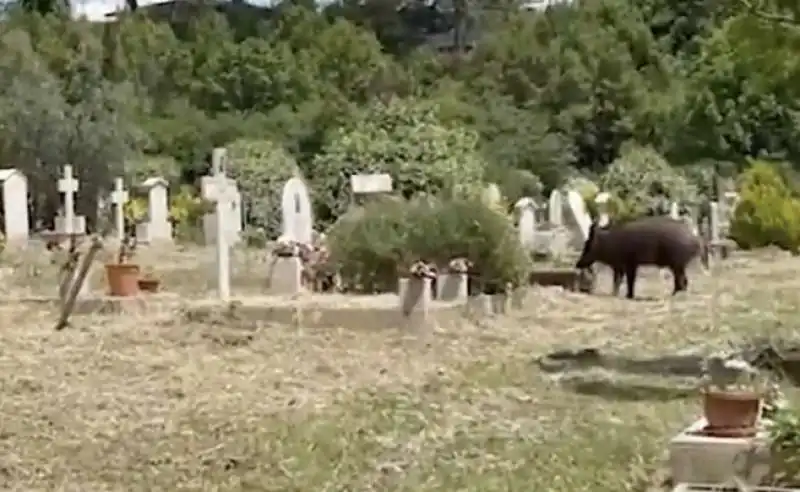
286, 277
415, 296
697, 459
478, 307
451, 287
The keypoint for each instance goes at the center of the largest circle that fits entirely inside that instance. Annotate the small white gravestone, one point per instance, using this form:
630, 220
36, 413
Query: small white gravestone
555, 209
674, 210
223, 195
15, 206
119, 197
713, 222
601, 200
69, 223
580, 215
526, 208
297, 216
492, 195
157, 227
232, 221
367, 184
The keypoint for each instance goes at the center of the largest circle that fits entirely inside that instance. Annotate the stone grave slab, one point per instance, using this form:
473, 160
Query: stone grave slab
698, 459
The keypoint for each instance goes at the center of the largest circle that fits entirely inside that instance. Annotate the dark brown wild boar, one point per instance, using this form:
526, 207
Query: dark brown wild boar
656, 241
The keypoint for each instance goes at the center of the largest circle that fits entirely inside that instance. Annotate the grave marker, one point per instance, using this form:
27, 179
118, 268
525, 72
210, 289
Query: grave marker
526, 207
68, 185
233, 212
220, 191
601, 200
580, 215
298, 221
119, 197
555, 209
367, 184
15, 206
157, 227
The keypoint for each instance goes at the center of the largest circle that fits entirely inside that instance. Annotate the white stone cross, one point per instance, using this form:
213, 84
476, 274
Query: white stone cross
68, 185
223, 195
119, 197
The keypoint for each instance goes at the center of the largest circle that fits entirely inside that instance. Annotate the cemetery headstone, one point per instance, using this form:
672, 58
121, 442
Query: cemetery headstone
492, 196
601, 200
714, 222
367, 184
581, 219
69, 223
119, 197
223, 195
15, 206
298, 221
555, 209
157, 227
526, 208
674, 210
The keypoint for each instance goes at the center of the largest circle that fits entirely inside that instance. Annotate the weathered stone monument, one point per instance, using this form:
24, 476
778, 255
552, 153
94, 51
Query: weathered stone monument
219, 191
526, 222
555, 209
367, 185
69, 223
15, 206
601, 200
156, 228
119, 197
232, 221
297, 216
580, 220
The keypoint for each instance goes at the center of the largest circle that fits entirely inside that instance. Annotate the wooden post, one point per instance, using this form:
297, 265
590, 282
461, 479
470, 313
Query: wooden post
68, 304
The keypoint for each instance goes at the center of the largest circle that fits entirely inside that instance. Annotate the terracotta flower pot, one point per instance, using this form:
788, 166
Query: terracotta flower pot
732, 409
149, 284
123, 279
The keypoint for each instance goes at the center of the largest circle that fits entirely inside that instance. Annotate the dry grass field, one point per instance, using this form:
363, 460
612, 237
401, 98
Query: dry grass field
158, 404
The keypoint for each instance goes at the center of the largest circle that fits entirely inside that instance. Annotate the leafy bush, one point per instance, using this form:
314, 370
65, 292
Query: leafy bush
372, 247
186, 212
767, 214
405, 139
642, 182
261, 168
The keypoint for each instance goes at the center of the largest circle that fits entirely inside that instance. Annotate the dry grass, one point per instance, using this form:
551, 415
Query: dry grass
153, 404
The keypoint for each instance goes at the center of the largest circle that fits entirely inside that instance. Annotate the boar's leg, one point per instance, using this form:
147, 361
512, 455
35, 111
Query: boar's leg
681, 280
630, 276
619, 273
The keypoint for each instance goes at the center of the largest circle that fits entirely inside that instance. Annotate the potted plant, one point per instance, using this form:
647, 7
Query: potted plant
733, 393
123, 276
148, 282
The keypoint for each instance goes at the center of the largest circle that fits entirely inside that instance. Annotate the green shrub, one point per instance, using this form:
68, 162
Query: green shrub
642, 182
372, 246
767, 214
406, 139
261, 169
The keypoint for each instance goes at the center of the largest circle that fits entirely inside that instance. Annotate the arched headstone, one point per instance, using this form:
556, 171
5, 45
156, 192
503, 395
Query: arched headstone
297, 216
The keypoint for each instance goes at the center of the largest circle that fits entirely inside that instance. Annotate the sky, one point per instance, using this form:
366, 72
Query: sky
95, 10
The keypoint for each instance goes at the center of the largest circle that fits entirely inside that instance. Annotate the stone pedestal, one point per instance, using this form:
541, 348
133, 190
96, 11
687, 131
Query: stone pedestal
414, 295
714, 460
286, 277
451, 287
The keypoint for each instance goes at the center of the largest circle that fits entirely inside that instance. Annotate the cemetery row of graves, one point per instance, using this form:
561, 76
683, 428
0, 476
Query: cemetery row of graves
741, 417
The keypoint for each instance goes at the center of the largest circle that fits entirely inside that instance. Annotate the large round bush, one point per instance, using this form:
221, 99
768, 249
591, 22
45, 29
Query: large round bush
405, 139
261, 168
372, 247
768, 214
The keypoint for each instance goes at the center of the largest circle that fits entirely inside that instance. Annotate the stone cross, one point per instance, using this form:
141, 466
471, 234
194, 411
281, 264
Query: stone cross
119, 197
68, 185
223, 195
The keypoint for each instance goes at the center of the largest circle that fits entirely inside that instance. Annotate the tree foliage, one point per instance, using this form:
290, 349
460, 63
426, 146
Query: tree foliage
441, 97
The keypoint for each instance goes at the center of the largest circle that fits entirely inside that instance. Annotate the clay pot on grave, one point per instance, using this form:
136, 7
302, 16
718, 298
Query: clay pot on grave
731, 412
123, 279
